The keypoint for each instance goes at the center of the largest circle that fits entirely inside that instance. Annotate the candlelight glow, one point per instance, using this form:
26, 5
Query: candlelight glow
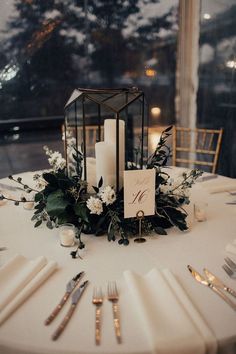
150, 72
153, 140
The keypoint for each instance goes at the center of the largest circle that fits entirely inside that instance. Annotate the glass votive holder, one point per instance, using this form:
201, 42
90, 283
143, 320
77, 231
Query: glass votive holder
200, 211
67, 234
29, 203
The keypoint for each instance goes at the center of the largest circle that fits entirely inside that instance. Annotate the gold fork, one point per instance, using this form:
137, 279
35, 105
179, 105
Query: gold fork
112, 295
97, 301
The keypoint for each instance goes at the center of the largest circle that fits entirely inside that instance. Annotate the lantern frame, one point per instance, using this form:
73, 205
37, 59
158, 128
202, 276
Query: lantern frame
115, 100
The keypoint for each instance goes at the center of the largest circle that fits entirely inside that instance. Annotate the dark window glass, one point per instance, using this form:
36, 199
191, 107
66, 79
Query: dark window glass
48, 48
217, 80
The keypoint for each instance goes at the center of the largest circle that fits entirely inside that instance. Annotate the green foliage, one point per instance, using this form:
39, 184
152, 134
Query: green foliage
64, 199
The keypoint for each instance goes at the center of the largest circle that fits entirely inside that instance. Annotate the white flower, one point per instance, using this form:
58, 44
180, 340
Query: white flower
40, 182
165, 188
94, 205
108, 195
55, 159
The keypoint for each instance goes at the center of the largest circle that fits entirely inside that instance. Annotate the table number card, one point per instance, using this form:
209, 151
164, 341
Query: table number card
139, 192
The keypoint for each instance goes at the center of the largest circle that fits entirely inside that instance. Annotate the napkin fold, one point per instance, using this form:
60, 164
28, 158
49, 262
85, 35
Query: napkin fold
19, 278
171, 322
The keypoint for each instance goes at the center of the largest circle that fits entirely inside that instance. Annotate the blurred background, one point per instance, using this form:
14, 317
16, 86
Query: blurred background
49, 48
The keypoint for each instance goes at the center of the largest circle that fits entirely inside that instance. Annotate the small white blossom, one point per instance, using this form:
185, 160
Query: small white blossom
94, 205
165, 188
40, 182
108, 195
55, 159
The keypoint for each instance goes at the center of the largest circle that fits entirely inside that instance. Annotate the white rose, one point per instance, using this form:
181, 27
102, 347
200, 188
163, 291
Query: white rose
108, 195
94, 205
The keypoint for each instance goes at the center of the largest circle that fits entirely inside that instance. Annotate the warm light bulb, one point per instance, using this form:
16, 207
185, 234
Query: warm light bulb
231, 64
207, 16
156, 111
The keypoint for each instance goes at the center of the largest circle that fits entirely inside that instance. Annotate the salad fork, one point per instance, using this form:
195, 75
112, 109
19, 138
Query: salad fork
229, 271
97, 301
112, 295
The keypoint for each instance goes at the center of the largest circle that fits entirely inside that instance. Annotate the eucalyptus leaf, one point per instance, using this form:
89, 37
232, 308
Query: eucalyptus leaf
38, 197
49, 224
80, 210
160, 231
100, 183
56, 203
38, 223
50, 178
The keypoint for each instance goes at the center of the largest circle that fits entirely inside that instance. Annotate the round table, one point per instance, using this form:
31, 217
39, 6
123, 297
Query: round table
203, 245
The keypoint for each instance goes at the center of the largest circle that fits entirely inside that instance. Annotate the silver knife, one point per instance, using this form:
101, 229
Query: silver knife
74, 301
69, 288
218, 283
206, 282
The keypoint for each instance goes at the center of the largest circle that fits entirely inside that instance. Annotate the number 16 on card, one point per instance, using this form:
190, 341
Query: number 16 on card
139, 192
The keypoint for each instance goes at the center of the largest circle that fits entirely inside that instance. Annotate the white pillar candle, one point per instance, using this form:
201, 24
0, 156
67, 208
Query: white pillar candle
91, 173
110, 138
67, 235
105, 163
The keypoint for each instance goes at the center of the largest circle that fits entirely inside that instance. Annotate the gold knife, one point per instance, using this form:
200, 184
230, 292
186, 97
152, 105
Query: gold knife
69, 288
218, 283
206, 282
74, 301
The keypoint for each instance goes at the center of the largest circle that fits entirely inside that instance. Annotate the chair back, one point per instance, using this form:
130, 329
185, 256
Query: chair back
198, 148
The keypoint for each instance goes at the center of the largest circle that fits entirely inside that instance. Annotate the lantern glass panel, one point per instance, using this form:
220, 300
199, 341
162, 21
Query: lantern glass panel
85, 114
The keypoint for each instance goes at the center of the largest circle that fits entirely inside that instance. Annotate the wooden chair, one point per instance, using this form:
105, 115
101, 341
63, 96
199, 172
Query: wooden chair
196, 148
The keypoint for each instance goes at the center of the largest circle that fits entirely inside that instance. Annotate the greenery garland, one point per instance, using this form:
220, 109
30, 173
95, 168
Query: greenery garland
64, 199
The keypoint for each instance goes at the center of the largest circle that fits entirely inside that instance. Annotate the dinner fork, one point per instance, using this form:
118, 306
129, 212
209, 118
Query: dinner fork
97, 301
230, 263
112, 295
229, 271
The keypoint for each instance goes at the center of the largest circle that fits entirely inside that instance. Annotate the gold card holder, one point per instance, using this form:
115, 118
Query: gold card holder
140, 217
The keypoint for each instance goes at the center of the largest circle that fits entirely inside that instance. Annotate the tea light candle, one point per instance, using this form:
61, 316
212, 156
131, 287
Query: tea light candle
29, 205
3, 202
67, 235
200, 211
200, 215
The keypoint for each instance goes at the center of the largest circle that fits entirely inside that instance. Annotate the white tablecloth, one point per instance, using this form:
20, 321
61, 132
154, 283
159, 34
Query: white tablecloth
202, 246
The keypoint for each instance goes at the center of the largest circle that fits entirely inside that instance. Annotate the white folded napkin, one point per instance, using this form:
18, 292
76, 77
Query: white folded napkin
219, 187
18, 279
171, 322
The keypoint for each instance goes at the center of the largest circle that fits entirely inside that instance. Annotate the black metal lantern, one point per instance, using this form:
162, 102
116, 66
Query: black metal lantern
110, 127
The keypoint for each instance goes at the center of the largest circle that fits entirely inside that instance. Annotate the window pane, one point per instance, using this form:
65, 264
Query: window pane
48, 48
217, 93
